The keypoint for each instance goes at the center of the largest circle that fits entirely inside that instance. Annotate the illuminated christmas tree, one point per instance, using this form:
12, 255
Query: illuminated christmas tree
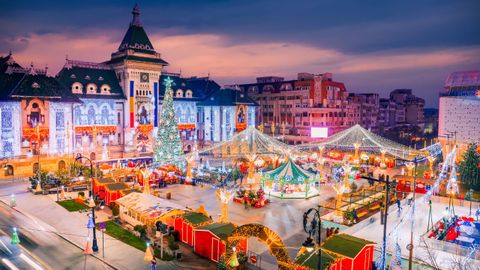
469, 168
169, 145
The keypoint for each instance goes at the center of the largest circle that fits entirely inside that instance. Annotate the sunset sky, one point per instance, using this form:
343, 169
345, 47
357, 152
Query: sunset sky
371, 46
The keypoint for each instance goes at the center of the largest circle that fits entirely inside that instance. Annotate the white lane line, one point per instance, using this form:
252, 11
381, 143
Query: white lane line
3, 244
9, 264
31, 262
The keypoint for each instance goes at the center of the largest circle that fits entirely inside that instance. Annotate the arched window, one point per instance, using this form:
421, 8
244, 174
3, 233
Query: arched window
77, 115
35, 167
188, 116
8, 170
61, 165
188, 94
143, 116
104, 115
91, 115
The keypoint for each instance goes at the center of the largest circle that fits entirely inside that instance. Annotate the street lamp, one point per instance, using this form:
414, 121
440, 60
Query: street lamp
315, 226
91, 203
412, 164
384, 244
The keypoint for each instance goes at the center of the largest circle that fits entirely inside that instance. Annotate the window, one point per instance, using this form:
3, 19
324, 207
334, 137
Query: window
91, 88
188, 94
77, 115
179, 93
91, 115
6, 120
105, 116
77, 88
59, 120
105, 88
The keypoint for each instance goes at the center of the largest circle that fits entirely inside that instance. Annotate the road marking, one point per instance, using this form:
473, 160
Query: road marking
9, 264
31, 262
29, 253
6, 247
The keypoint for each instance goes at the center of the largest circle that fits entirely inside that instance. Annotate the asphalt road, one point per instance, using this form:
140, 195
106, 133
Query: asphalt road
44, 246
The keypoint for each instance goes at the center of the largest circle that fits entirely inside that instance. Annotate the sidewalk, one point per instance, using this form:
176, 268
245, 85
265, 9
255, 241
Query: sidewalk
72, 226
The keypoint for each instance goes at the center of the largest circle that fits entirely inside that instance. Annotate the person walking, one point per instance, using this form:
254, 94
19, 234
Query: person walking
245, 202
399, 205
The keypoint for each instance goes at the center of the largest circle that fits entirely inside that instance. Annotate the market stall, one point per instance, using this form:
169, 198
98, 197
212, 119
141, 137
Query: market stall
145, 209
99, 186
341, 251
210, 240
114, 191
186, 223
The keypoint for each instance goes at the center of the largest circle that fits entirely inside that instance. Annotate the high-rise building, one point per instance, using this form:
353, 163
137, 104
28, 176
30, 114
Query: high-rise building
459, 109
409, 107
369, 109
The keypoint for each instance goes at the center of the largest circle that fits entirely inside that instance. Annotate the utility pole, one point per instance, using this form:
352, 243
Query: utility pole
410, 246
384, 244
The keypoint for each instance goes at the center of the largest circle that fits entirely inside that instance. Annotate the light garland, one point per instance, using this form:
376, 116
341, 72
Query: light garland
360, 139
265, 235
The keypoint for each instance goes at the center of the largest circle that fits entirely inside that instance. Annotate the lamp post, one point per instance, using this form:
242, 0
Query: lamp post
384, 244
39, 141
356, 160
469, 196
92, 201
412, 164
316, 220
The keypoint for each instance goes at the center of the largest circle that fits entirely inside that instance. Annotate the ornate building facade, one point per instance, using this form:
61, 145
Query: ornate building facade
107, 110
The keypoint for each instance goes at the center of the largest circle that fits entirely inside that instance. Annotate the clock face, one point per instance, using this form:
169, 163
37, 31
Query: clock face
144, 77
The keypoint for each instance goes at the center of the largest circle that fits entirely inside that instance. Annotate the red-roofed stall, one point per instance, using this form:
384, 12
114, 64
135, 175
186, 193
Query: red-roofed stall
186, 224
209, 240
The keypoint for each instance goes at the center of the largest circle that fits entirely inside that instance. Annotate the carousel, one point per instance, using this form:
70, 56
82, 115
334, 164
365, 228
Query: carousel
290, 181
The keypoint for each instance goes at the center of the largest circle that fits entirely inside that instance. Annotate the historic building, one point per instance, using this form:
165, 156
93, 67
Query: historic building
98, 120
35, 115
108, 110
224, 112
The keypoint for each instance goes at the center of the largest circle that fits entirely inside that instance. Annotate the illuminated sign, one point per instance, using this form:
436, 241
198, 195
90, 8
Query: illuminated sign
319, 132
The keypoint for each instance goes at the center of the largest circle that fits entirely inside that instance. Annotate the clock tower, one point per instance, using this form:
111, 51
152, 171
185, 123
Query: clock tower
138, 68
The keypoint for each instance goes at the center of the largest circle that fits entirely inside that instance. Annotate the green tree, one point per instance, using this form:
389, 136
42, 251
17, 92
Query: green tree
169, 145
469, 168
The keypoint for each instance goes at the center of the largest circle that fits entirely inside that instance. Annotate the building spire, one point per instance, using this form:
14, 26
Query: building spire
136, 16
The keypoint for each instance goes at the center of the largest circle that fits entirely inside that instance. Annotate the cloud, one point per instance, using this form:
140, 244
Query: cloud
229, 63
209, 53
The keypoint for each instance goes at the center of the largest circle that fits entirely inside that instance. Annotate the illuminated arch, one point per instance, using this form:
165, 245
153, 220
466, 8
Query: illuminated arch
264, 234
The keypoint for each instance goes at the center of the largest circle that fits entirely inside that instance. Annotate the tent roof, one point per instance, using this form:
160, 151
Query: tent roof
147, 204
250, 141
289, 169
369, 142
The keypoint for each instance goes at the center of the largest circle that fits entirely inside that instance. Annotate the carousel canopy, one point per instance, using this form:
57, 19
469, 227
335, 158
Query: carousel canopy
289, 171
248, 142
367, 142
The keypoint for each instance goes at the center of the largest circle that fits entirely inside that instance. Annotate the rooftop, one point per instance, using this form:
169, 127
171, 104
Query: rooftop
345, 244
222, 230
